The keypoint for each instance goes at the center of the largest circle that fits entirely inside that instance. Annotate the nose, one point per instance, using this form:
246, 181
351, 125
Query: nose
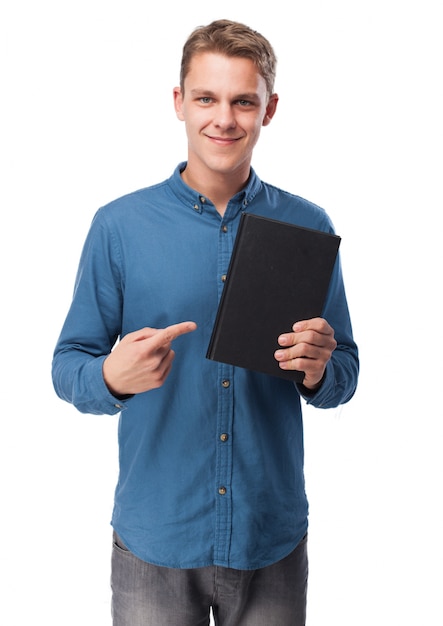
224, 116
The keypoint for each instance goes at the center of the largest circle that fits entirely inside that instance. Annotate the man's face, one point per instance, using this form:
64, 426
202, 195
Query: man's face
224, 106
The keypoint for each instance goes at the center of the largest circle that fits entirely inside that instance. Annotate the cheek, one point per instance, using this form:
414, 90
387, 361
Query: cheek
254, 132
195, 122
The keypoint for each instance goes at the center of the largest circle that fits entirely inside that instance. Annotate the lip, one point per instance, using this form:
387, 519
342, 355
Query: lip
223, 141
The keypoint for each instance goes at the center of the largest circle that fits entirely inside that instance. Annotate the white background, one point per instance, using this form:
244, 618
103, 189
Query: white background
86, 115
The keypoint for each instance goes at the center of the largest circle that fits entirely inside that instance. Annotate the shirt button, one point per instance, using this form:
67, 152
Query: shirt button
224, 228
222, 491
202, 199
196, 207
118, 406
224, 437
225, 383
223, 278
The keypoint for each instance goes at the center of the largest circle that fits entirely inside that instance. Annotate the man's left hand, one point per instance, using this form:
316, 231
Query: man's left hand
307, 348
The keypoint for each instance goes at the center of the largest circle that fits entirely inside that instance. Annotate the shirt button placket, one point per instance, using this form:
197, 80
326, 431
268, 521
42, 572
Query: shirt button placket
223, 527
224, 465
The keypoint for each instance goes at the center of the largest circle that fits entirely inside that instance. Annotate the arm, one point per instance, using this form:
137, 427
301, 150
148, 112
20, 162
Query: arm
324, 348
90, 369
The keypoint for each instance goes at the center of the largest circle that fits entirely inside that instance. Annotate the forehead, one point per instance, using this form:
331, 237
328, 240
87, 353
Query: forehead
209, 70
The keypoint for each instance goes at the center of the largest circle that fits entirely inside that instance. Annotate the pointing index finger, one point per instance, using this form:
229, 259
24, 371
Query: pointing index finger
168, 334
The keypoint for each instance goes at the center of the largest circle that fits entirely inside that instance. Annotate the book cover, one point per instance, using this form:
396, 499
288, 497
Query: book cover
279, 273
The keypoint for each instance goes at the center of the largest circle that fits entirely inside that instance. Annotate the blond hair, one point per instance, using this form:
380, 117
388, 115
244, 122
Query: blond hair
232, 39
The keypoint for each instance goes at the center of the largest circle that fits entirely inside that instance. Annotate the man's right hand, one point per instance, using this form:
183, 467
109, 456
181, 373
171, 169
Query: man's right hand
143, 359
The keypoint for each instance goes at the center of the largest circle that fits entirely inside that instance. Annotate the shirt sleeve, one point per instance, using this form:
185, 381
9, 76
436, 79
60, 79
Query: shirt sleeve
92, 325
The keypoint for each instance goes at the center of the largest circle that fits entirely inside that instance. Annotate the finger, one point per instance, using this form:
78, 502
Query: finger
164, 336
300, 364
318, 324
315, 331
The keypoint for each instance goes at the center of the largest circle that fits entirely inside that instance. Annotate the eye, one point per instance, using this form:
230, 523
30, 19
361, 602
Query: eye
244, 103
205, 100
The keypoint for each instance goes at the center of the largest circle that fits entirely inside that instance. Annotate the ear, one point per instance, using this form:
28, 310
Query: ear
270, 109
178, 103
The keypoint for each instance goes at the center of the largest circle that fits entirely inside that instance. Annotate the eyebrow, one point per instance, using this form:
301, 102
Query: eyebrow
212, 94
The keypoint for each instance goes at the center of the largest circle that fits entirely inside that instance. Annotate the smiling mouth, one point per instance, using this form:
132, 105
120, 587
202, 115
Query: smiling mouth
223, 140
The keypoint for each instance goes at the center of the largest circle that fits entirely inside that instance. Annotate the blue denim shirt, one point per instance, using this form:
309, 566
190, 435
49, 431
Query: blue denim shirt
211, 463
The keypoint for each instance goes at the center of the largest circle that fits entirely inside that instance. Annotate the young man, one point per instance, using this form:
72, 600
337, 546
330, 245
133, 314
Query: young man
210, 507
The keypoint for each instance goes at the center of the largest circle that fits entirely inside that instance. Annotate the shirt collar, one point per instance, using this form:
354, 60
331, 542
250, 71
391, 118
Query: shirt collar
197, 201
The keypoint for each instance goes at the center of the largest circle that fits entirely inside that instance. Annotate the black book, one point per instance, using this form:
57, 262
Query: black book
279, 273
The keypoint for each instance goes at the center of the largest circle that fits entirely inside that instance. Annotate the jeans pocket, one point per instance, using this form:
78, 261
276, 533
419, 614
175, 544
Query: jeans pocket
117, 543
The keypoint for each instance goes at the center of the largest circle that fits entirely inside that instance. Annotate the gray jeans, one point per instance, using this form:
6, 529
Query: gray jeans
149, 595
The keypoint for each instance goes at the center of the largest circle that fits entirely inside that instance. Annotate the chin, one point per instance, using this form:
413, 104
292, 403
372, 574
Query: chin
226, 167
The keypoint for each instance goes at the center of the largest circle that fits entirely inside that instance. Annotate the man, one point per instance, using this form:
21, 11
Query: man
210, 508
